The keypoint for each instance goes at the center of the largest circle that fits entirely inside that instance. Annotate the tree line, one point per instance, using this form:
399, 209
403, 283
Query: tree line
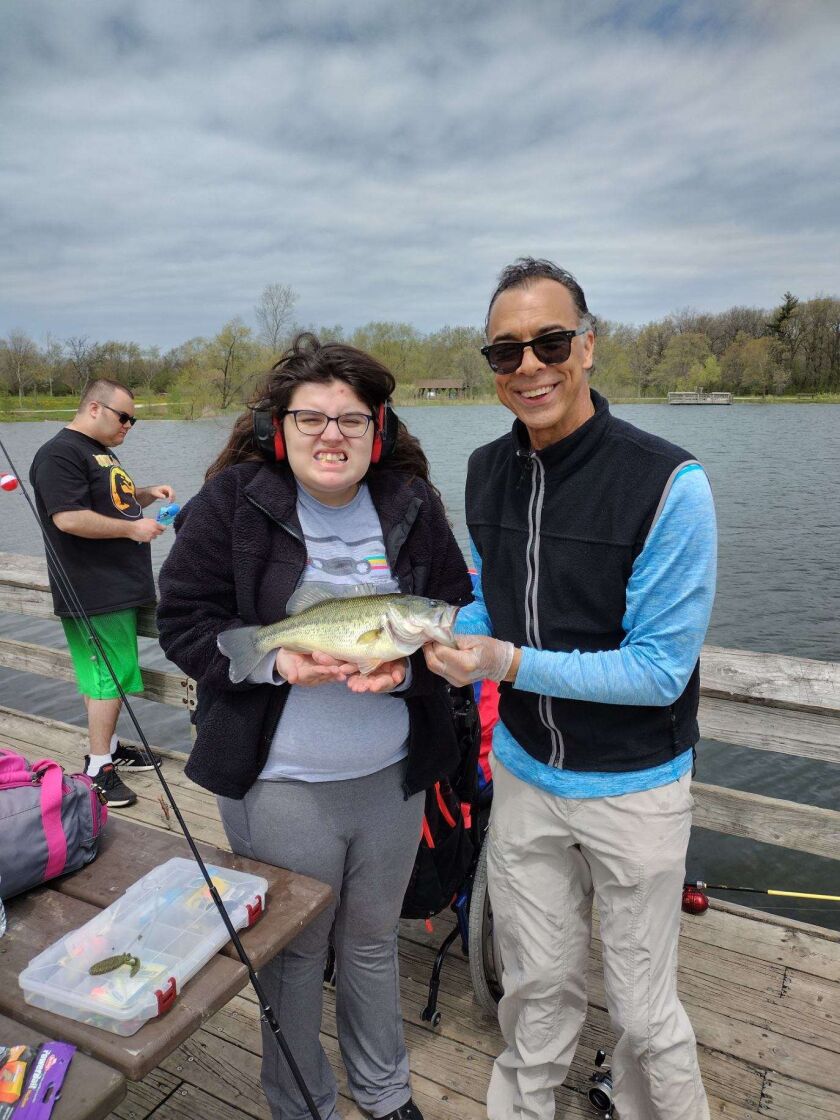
792, 349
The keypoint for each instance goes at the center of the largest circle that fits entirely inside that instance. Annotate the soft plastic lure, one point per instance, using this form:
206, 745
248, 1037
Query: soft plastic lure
109, 964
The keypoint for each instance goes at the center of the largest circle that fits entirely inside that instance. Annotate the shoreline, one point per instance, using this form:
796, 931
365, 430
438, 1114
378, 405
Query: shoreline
162, 410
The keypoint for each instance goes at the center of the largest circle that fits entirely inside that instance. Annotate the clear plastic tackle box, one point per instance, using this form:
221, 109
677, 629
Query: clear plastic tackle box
128, 964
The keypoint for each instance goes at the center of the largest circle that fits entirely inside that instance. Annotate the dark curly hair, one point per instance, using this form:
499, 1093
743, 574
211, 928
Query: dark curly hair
526, 271
309, 361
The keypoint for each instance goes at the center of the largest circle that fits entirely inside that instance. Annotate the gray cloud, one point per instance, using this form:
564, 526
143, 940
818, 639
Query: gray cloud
163, 162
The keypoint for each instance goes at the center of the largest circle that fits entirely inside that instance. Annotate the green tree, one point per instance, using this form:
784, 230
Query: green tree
221, 371
19, 356
232, 362
396, 345
820, 352
646, 352
82, 361
786, 328
613, 371
751, 365
454, 354
682, 354
52, 364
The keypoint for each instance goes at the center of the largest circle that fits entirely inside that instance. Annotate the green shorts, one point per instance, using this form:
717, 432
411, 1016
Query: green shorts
118, 634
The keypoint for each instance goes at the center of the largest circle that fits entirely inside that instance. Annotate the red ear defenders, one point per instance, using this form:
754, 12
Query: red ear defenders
268, 434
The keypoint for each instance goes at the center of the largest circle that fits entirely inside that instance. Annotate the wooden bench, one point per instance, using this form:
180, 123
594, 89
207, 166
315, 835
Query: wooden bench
90, 1090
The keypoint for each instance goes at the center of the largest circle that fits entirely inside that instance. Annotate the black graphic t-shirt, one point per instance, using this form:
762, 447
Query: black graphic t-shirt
72, 472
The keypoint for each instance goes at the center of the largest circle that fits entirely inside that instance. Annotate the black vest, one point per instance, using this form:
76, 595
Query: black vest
558, 531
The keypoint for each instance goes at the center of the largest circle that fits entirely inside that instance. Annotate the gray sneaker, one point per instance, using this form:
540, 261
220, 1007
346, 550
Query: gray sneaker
116, 793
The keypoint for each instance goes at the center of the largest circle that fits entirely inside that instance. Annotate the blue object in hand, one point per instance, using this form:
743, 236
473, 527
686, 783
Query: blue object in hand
167, 514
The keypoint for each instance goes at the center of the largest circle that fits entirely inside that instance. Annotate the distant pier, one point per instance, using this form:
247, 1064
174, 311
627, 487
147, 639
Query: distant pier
698, 396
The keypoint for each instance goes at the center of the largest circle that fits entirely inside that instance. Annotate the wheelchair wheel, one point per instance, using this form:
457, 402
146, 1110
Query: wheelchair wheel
485, 960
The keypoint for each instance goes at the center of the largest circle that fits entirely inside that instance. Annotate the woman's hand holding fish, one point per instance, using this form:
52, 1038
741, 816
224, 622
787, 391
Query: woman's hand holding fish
309, 669
476, 658
388, 676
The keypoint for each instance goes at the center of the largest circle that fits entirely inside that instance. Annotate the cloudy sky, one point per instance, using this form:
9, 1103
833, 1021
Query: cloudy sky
163, 160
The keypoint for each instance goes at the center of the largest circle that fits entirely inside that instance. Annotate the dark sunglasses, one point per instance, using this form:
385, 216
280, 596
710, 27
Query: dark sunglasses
552, 349
123, 417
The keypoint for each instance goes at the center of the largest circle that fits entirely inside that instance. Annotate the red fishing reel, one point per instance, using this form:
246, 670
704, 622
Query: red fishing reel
694, 899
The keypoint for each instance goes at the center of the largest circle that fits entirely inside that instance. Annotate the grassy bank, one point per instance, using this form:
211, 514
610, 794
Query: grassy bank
63, 408
159, 408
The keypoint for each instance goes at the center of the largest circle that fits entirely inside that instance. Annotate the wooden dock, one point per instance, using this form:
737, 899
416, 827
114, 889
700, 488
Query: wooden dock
698, 396
763, 993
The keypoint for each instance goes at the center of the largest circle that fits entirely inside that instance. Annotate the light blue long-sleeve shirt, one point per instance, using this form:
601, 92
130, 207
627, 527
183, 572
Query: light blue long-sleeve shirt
668, 604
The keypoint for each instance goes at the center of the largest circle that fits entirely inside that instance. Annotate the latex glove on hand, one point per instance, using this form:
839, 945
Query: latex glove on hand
477, 658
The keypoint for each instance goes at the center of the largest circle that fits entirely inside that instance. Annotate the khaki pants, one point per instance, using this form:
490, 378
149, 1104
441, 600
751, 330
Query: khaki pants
548, 857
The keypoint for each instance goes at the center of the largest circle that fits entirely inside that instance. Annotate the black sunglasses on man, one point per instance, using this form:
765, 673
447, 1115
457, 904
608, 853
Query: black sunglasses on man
123, 417
553, 348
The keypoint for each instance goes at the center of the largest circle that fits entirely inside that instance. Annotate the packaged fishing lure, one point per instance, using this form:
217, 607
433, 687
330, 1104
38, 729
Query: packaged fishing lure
14, 1064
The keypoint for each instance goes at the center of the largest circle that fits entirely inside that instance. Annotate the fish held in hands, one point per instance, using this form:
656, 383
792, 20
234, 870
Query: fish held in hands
365, 629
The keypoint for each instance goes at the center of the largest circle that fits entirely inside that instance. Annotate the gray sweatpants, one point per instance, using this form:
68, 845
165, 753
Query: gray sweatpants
360, 836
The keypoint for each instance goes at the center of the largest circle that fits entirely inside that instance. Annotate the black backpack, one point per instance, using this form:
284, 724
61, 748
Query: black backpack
447, 845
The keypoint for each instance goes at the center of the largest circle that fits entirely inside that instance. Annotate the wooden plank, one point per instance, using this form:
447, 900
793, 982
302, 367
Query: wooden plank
787, 824
19, 569
811, 949
811, 1009
189, 1103
784, 1098
176, 690
765, 1048
225, 1071
812, 735
143, 1097
89, 1091
24, 589
220, 1066
770, 678
26, 600
38, 919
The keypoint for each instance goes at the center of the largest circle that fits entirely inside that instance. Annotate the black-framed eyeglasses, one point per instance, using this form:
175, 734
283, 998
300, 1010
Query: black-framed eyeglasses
553, 348
353, 425
123, 417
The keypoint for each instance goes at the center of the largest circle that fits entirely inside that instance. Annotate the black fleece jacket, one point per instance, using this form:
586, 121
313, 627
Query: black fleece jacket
238, 556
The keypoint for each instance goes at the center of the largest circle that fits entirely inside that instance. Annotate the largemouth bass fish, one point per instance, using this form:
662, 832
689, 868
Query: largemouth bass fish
367, 630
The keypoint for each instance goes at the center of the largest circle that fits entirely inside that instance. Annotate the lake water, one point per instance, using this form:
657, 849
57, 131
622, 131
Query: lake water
775, 473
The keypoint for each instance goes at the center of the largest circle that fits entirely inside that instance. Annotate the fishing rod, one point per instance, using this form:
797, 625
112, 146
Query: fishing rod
696, 901
67, 589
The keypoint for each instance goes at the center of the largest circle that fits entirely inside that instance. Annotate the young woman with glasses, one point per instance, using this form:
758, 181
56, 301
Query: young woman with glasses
318, 768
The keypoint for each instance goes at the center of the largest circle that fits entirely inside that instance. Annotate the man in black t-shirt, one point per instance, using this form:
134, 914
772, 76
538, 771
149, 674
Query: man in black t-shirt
92, 515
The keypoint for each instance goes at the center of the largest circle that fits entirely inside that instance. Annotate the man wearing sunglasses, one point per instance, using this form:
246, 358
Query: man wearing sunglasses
92, 515
595, 546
